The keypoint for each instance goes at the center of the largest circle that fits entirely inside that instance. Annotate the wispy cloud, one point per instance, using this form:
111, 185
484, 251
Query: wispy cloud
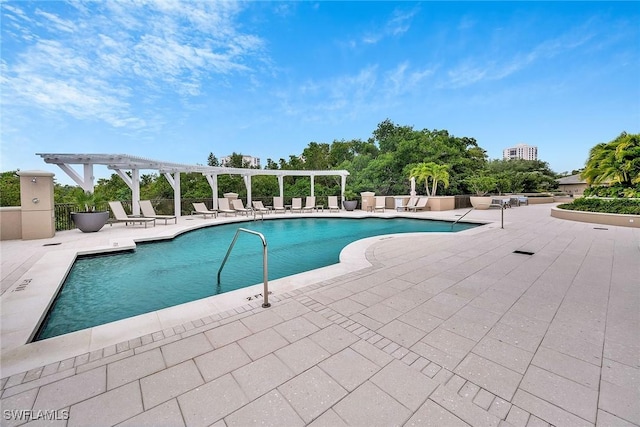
398, 24
502, 65
98, 60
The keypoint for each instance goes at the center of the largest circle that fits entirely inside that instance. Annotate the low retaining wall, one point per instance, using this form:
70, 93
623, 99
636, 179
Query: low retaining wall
622, 220
540, 200
11, 223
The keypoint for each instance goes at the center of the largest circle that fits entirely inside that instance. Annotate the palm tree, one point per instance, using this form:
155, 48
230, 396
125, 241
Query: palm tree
433, 171
617, 161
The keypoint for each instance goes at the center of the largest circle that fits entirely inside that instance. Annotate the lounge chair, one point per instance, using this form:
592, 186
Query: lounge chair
421, 205
278, 205
121, 216
296, 204
310, 204
380, 203
258, 206
201, 209
238, 206
149, 212
223, 207
333, 204
411, 203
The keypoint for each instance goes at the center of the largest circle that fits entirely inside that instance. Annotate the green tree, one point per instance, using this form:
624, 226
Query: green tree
9, 189
617, 161
431, 173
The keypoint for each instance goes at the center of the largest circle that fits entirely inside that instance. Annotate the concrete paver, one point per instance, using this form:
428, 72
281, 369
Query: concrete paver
442, 329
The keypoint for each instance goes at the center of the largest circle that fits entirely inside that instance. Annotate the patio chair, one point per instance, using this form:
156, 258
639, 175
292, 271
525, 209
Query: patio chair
296, 204
121, 216
310, 204
411, 203
258, 206
223, 207
380, 203
201, 209
148, 212
238, 206
278, 205
421, 205
333, 204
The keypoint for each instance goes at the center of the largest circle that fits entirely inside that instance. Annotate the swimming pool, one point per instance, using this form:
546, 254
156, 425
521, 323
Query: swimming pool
103, 289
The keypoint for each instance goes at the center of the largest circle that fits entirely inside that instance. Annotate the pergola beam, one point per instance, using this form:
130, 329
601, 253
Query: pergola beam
172, 171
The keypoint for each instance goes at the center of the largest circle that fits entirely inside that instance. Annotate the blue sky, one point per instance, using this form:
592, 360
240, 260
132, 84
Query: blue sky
175, 80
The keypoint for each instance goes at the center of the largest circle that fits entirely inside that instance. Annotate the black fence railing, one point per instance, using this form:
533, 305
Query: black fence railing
165, 207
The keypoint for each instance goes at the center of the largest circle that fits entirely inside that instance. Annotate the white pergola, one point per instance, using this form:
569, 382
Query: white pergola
123, 163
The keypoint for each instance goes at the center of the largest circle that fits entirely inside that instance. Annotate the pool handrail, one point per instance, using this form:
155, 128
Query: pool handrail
265, 276
457, 220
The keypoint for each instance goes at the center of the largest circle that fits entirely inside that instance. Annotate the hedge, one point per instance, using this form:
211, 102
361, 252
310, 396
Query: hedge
617, 206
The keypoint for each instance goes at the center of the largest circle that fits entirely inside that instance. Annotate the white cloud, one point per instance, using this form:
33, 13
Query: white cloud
99, 60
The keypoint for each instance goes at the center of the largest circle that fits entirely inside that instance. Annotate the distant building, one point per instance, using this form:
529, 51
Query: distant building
574, 185
253, 162
521, 151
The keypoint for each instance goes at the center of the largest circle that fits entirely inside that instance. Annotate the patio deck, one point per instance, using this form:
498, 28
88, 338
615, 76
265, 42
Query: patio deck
436, 329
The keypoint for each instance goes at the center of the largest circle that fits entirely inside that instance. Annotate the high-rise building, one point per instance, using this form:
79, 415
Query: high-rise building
253, 162
521, 151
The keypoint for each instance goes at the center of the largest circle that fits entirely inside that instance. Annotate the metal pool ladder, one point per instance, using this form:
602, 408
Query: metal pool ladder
264, 262
456, 221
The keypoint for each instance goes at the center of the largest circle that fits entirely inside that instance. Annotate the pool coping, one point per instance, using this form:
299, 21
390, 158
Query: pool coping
25, 304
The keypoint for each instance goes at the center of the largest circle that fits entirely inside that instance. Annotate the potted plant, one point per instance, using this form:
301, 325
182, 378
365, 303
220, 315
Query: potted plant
86, 218
481, 185
350, 201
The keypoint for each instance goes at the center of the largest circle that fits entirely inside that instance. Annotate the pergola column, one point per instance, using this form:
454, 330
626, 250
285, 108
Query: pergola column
174, 181
247, 183
312, 185
213, 183
343, 184
281, 185
133, 182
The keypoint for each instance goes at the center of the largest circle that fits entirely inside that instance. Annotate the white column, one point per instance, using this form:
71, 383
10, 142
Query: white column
312, 185
135, 191
213, 183
281, 185
174, 182
247, 183
343, 184
86, 182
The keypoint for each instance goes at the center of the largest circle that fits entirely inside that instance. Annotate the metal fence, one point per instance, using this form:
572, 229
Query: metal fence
165, 207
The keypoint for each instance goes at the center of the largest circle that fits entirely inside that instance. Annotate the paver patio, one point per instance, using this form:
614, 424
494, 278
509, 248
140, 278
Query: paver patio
440, 330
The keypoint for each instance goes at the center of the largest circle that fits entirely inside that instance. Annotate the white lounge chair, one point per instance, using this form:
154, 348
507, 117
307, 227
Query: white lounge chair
223, 207
238, 206
121, 216
421, 205
258, 206
380, 203
296, 204
278, 205
148, 212
201, 209
411, 203
333, 204
310, 204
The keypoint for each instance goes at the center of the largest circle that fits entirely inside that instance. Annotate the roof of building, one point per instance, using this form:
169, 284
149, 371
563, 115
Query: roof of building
572, 179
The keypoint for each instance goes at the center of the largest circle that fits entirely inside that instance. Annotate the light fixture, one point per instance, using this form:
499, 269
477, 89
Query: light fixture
35, 200
34, 180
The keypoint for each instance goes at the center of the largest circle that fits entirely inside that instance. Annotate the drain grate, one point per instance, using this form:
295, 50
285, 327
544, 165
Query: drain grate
523, 252
600, 228
52, 244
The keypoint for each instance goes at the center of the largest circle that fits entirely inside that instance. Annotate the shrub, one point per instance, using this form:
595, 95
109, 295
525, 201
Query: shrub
617, 206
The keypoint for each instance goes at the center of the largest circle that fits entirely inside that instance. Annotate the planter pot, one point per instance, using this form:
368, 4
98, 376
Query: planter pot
481, 202
350, 205
89, 222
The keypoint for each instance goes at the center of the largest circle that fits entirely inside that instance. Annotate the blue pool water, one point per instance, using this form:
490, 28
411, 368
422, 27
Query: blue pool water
162, 274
